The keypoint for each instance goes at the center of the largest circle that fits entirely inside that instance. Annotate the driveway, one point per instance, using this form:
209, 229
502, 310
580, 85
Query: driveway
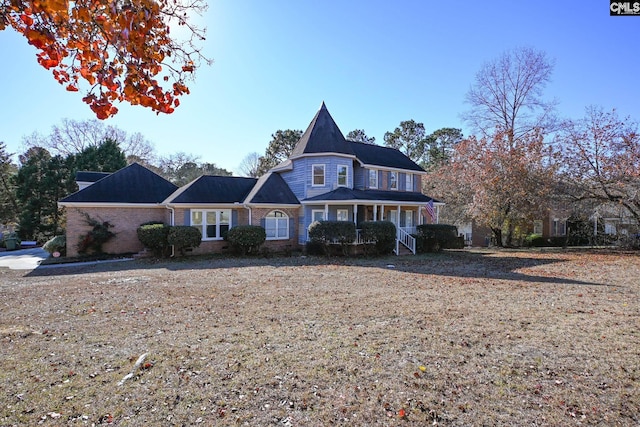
23, 259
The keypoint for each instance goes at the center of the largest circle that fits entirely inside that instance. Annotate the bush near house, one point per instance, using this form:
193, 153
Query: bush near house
154, 236
435, 237
383, 233
246, 239
56, 244
184, 237
328, 233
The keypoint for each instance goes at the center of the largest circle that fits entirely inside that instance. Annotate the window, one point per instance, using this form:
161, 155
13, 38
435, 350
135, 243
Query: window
393, 180
408, 182
408, 219
342, 176
343, 215
373, 178
537, 227
318, 175
213, 224
558, 227
276, 224
317, 215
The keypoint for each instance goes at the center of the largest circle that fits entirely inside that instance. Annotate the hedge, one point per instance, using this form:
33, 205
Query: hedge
154, 236
383, 233
327, 233
434, 237
246, 239
184, 237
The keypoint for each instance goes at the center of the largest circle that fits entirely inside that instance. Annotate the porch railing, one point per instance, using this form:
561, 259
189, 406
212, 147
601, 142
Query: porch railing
406, 239
403, 237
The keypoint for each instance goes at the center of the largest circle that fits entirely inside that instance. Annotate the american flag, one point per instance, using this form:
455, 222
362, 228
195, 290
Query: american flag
430, 210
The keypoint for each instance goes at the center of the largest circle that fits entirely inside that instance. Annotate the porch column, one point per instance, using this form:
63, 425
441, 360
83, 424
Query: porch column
326, 212
355, 214
398, 217
437, 214
375, 212
382, 213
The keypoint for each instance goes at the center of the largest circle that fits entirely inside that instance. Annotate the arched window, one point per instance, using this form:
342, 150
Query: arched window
276, 224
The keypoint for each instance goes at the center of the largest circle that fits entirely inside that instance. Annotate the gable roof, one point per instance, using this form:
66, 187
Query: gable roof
213, 189
322, 136
344, 194
90, 176
377, 155
272, 189
131, 184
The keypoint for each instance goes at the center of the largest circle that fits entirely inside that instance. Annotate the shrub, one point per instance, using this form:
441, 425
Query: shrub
154, 236
99, 234
246, 239
534, 241
184, 237
434, 237
383, 233
57, 244
342, 233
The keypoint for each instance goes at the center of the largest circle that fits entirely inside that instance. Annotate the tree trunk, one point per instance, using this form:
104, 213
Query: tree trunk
497, 232
510, 230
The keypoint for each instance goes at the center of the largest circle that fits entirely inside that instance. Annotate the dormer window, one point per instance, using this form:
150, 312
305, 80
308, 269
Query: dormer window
342, 176
373, 178
408, 186
393, 180
318, 175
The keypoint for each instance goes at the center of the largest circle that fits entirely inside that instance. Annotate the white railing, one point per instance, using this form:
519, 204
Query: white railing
406, 239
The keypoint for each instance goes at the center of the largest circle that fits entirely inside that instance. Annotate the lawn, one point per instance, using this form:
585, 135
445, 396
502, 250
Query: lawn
457, 338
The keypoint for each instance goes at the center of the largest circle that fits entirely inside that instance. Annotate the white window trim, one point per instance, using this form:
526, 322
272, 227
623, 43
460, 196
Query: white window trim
203, 226
324, 175
313, 214
346, 176
346, 211
408, 182
275, 218
375, 171
538, 225
394, 173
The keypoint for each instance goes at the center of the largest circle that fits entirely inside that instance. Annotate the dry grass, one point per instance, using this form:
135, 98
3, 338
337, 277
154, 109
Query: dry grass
505, 338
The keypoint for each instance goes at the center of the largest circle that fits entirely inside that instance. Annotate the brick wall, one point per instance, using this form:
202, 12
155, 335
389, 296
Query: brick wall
257, 214
125, 221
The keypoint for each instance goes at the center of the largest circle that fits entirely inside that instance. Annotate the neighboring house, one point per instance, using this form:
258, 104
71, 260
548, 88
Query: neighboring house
616, 220
86, 178
325, 178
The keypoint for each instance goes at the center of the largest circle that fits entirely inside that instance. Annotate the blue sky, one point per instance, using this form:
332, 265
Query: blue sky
374, 63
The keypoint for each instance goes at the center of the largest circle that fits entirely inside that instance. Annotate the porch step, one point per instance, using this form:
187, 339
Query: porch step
403, 250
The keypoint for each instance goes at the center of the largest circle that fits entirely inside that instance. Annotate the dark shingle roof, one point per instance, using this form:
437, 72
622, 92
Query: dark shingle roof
90, 176
271, 188
377, 155
322, 136
213, 189
344, 193
132, 184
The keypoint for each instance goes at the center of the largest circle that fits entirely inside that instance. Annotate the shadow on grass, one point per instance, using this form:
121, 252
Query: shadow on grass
463, 264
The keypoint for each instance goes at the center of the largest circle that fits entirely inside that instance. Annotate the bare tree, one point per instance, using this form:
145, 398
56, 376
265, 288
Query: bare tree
73, 136
507, 95
250, 165
602, 154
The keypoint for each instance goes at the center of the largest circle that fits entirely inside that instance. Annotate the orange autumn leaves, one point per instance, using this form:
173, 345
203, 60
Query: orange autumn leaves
122, 50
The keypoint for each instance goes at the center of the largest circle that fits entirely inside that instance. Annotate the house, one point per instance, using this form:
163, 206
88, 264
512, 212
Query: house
326, 178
